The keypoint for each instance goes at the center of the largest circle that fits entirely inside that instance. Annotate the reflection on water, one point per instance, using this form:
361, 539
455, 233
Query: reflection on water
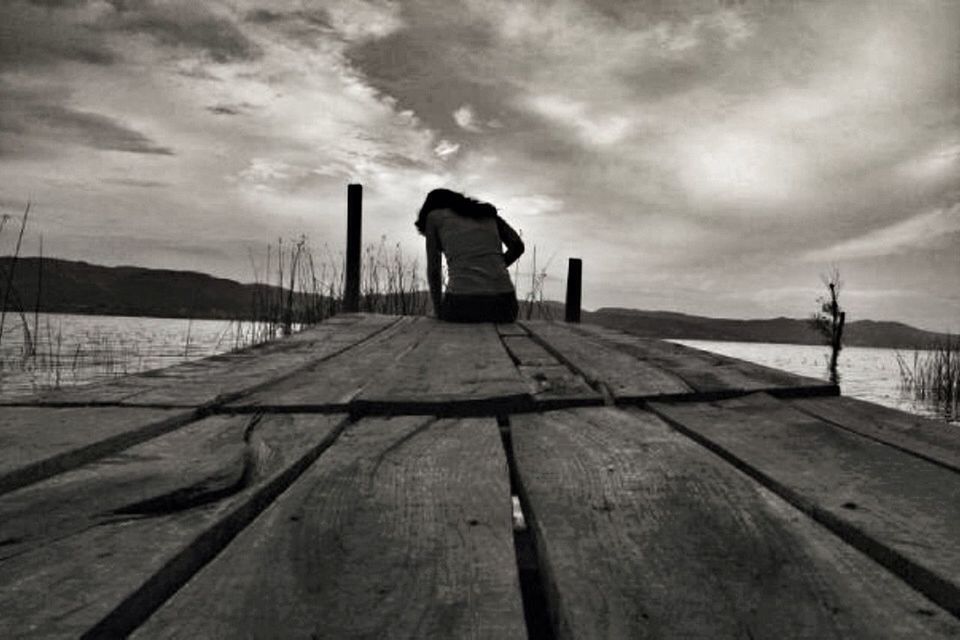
866, 373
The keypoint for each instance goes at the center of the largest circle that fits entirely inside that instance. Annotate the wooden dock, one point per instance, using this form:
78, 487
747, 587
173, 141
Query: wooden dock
355, 481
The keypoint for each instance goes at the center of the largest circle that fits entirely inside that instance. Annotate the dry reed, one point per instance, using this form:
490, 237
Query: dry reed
933, 376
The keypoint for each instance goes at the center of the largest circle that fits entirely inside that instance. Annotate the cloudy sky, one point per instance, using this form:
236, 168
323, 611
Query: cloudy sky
706, 156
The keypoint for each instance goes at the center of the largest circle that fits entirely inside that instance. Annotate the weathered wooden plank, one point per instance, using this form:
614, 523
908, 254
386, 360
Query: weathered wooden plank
401, 530
334, 382
623, 375
552, 383
455, 367
556, 386
511, 329
710, 373
94, 551
642, 533
214, 379
38, 442
928, 439
900, 509
526, 351
229, 377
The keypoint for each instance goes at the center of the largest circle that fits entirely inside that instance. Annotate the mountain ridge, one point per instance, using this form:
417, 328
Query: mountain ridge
675, 325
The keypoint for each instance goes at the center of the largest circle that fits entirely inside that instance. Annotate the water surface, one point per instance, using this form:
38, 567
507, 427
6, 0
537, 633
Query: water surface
867, 373
79, 349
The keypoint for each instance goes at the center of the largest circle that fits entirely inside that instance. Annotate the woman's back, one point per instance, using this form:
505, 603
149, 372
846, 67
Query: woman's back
473, 250
471, 235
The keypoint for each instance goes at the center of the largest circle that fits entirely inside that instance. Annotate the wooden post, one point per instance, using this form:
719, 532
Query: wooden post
351, 292
574, 273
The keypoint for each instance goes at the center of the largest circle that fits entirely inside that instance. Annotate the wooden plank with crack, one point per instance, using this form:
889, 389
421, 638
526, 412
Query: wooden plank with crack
929, 439
38, 442
901, 510
91, 552
401, 530
624, 376
528, 352
642, 533
334, 382
455, 367
706, 372
552, 384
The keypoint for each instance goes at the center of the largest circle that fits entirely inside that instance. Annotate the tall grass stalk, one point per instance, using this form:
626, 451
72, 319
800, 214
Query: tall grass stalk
8, 290
933, 376
36, 304
533, 305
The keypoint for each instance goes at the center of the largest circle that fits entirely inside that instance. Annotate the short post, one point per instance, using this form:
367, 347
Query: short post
574, 275
351, 292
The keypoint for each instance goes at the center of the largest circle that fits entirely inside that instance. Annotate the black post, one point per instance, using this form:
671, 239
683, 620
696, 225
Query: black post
574, 273
351, 292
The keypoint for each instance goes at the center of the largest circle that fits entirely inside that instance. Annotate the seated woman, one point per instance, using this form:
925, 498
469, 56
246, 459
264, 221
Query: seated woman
471, 235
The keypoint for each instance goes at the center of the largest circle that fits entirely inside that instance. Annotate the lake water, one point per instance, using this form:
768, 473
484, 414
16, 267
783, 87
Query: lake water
76, 349
866, 373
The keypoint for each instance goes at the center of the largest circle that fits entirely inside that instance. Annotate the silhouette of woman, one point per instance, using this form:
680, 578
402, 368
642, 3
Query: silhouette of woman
471, 236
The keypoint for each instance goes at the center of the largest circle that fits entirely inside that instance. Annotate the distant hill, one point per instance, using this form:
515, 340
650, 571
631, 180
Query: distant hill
666, 324
79, 287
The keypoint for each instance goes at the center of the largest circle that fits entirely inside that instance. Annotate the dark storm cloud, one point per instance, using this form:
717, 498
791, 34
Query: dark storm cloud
224, 110
303, 26
44, 115
58, 4
185, 24
264, 16
432, 69
32, 36
131, 182
93, 130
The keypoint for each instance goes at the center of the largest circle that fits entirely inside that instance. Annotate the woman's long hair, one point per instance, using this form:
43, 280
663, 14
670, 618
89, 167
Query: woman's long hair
456, 202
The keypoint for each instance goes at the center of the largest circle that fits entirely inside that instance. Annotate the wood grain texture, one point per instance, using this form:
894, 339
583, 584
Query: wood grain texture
95, 550
38, 442
401, 530
710, 373
556, 386
642, 533
929, 439
454, 365
230, 375
511, 329
526, 351
552, 384
337, 380
623, 375
900, 509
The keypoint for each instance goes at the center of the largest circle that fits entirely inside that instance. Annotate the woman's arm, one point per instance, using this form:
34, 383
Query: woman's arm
510, 238
434, 267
